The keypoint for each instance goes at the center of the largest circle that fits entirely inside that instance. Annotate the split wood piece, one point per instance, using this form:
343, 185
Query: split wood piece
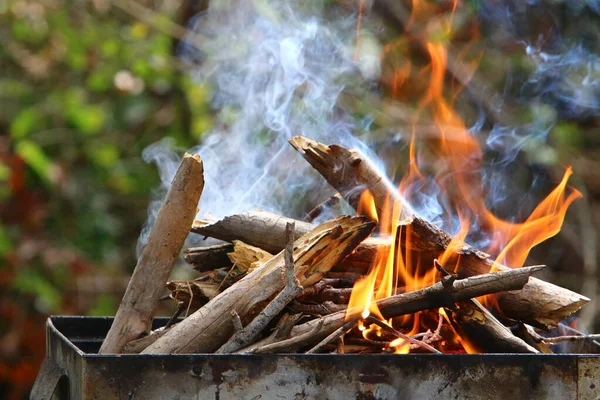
435, 296
209, 257
246, 257
267, 231
248, 334
480, 332
314, 254
193, 294
349, 172
166, 238
540, 303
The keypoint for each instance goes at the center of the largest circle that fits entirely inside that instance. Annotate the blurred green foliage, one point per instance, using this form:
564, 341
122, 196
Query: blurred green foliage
84, 88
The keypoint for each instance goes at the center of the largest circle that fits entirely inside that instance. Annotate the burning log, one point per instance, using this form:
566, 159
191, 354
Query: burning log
540, 303
480, 332
208, 258
171, 228
438, 295
314, 254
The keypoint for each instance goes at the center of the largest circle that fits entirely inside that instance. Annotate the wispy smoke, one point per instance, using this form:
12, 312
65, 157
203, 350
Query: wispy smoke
276, 72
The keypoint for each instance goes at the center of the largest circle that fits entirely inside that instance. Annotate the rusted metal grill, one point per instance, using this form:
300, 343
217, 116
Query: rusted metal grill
77, 372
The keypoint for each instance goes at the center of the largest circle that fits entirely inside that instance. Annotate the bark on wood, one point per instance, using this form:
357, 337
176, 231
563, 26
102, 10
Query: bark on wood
193, 294
257, 228
314, 254
265, 230
172, 226
540, 303
348, 171
209, 257
435, 296
480, 332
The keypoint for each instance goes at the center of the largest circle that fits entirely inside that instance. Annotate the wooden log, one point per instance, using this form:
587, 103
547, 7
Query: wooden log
480, 332
540, 303
314, 254
171, 228
350, 173
209, 257
435, 296
256, 228
265, 230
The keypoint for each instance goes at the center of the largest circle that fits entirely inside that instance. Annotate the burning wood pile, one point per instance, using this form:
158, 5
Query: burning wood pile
278, 285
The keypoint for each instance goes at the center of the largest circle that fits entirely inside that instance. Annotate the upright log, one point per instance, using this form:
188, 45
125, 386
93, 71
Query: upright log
314, 254
172, 226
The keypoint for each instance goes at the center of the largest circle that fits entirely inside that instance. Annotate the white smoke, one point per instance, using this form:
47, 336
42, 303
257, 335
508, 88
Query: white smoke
276, 72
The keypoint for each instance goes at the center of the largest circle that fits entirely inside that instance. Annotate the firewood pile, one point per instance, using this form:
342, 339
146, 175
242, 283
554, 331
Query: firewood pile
279, 285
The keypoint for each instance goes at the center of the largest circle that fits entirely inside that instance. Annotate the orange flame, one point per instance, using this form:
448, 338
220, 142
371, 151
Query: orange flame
458, 159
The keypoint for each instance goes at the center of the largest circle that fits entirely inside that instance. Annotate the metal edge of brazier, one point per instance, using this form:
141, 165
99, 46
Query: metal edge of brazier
73, 341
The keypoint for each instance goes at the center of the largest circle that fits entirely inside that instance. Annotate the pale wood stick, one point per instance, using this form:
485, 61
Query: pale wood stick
314, 254
172, 226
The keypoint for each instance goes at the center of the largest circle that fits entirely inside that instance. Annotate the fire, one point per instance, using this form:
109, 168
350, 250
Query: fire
459, 160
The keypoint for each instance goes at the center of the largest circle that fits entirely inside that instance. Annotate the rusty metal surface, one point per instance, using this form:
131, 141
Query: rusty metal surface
72, 342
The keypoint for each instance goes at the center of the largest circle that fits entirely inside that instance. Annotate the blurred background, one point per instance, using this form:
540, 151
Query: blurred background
87, 85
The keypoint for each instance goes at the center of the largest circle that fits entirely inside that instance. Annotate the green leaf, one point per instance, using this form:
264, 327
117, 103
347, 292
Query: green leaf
88, 119
106, 155
5, 172
34, 156
104, 305
6, 244
32, 282
24, 123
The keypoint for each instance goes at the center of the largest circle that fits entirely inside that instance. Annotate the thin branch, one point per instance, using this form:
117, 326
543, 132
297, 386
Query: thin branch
289, 345
236, 321
399, 334
334, 335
